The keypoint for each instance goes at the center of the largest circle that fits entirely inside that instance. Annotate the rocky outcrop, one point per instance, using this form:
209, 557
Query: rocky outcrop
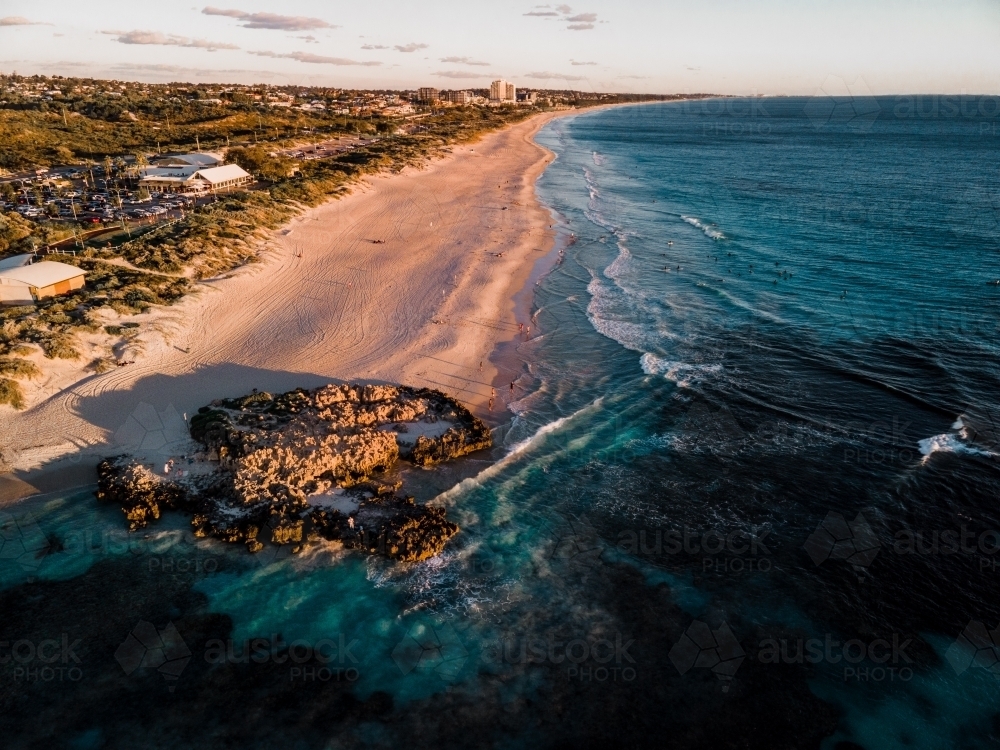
388, 525
140, 493
273, 455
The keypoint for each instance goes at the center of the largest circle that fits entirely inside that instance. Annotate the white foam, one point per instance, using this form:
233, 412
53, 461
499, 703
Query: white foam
513, 453
605, 315
598, 159
948, 443
681, 373
620, 265
708, 229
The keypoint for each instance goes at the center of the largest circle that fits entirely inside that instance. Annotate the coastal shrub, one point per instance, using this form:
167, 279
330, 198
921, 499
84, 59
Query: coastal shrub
114, 330
101, 365
59, 347
11, 393
18, 368
255, 398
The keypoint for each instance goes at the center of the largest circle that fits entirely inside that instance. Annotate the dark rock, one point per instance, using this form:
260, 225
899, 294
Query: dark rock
274, 451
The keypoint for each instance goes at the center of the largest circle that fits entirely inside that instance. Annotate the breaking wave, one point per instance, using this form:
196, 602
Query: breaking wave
708, 229
952, 442
681, 373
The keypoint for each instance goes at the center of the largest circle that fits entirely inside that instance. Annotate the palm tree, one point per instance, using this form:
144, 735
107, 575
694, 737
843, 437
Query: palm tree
140, 162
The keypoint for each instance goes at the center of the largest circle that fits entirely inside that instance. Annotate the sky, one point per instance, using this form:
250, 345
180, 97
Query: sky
738, 47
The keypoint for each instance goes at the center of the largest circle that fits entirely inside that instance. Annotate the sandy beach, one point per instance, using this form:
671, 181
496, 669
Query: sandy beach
411, 279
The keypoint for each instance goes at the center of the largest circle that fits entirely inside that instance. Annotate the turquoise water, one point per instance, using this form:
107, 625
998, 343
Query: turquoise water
763, 313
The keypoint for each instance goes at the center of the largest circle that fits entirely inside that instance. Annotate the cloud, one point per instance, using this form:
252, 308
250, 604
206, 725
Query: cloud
463, 61
638, 78
20, 21
373, 46
548, 74
411, 47
164, 68
458, 74
269, 20
155, 37
580, 62
308, 38
578, 22
308, 57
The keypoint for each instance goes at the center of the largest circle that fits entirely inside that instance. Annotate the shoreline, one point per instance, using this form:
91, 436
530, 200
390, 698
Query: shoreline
211, 347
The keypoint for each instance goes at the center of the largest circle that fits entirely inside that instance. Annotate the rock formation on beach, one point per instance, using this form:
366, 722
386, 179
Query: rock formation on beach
304, 465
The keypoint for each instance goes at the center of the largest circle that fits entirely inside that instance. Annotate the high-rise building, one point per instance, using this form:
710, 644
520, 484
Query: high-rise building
427, 95
459, 97
503, 91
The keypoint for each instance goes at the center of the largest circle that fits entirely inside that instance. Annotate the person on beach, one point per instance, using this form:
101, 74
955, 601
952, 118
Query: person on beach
512, 386
491, 404
520, 327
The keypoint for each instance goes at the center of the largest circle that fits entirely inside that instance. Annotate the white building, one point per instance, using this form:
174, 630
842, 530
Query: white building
191, 179
204, 159
502, 91
26, 284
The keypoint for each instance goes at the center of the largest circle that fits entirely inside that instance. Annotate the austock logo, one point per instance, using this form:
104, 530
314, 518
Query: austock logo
431, 647
48, 660
976, 647
587, 659
702, 647
148, 648
22, 542
148, 429
718, 550
837, 102
576, 550
837, 539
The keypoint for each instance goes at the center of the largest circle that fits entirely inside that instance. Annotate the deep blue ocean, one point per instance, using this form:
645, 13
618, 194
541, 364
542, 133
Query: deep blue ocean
750, 497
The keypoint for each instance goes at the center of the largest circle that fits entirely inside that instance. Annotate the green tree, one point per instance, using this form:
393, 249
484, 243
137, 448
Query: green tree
257, 161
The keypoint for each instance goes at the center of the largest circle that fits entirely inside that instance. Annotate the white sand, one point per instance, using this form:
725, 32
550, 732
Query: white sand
424, 308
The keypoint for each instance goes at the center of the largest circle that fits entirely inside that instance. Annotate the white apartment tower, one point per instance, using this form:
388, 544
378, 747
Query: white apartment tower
503, 91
